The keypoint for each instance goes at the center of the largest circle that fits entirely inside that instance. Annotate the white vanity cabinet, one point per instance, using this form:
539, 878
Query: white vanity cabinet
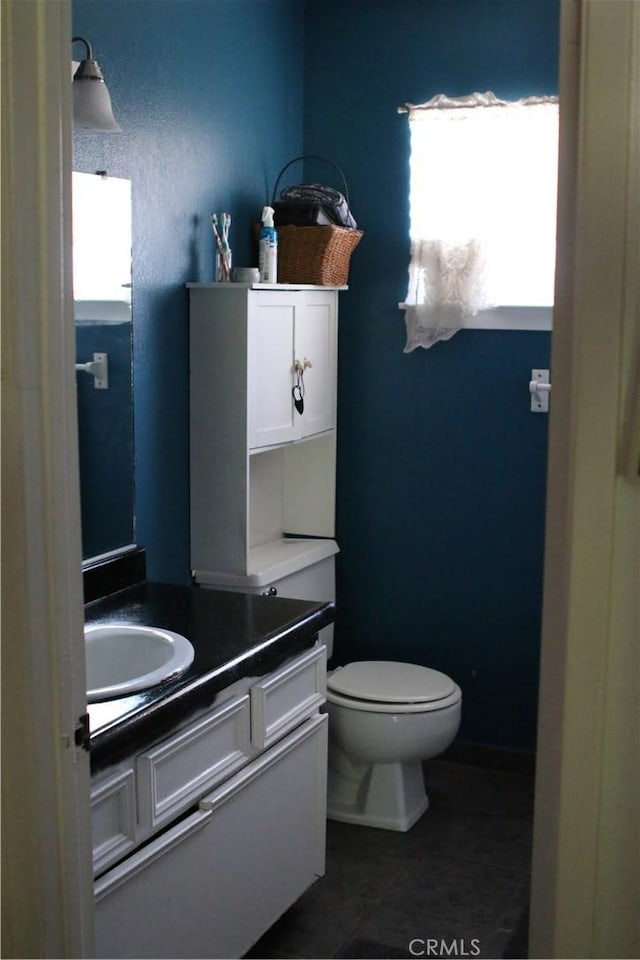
260, 469
230, 823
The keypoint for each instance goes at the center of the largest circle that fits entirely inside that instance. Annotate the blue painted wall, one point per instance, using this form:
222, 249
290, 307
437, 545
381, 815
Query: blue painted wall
441, 466
209, 97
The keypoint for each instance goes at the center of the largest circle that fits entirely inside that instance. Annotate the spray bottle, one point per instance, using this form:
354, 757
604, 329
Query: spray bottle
268, 248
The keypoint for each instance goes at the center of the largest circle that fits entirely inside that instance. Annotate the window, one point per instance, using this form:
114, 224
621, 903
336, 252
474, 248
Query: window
483, 210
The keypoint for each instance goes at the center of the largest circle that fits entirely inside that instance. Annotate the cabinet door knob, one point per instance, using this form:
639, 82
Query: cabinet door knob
271, 592
299, 366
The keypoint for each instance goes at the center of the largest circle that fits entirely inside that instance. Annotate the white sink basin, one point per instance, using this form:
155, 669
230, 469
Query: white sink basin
121, 659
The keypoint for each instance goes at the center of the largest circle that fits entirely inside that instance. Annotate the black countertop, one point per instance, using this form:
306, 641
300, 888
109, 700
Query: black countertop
235, 635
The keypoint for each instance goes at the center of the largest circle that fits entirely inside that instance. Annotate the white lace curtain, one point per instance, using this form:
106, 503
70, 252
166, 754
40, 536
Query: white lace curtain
483, 209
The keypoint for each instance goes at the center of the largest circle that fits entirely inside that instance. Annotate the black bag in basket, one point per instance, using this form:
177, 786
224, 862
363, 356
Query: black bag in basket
312, 204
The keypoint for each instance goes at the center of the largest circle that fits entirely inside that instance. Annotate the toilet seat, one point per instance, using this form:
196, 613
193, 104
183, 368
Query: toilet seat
382, 686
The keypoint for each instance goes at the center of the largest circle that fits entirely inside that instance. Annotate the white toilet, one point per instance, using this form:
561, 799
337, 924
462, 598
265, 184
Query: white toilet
385, 719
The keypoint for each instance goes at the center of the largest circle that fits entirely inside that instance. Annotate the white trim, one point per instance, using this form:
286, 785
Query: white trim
512, 318
46, 850
264, 286
585, 879
508, 318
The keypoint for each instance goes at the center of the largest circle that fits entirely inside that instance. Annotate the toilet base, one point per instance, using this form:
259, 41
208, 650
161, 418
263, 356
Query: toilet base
390, 796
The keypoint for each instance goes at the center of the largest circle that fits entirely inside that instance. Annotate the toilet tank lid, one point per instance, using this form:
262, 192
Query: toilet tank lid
390, 682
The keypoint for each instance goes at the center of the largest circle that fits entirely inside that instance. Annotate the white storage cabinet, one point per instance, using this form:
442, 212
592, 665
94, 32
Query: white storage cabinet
230, 823
259, 468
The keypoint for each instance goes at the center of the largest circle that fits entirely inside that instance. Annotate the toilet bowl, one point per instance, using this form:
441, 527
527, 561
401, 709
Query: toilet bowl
385, 719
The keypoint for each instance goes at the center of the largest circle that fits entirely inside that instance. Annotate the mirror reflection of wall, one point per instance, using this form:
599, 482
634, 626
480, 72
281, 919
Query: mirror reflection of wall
102, 296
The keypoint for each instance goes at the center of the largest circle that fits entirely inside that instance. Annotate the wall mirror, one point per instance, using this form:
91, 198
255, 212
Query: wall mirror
103, 301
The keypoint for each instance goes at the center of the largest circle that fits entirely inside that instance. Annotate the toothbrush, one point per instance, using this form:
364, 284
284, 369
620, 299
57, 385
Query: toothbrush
226, 224
219, 245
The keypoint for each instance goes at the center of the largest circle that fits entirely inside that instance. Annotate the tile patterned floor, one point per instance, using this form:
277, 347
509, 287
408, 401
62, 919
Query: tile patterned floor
460, 874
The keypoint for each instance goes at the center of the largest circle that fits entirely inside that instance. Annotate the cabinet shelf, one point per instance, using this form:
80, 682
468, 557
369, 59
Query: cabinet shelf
273, 561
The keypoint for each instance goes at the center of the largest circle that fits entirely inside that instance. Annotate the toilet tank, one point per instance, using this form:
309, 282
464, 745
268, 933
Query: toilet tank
301, 569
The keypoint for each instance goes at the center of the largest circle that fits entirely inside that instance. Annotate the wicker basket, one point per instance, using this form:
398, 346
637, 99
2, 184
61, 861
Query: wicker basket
318, 254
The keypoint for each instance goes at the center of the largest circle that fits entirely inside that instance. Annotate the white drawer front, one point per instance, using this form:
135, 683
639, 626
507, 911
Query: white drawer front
286, 697
113, 821
175, 773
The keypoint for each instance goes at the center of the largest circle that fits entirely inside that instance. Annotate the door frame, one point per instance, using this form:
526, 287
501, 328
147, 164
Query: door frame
47, 883
585, 892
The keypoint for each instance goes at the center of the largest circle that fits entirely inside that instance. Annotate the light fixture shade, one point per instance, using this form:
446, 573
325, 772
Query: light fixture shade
91, 101
92, 106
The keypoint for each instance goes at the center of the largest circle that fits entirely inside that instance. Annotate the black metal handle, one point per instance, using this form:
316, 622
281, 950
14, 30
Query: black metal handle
345, 189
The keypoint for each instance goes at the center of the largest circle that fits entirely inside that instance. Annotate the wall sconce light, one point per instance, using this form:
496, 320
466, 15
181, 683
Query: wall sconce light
91, 100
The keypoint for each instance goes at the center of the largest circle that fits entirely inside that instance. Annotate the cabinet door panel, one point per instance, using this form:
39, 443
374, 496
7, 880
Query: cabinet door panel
113, 821
174, 773
285, 697
315, 342
271, 337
